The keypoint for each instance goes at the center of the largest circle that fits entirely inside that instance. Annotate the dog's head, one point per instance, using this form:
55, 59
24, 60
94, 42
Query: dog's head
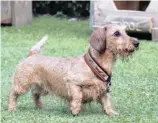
115, 39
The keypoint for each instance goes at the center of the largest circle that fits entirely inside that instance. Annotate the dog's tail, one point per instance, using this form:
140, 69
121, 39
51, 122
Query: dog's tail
36, 48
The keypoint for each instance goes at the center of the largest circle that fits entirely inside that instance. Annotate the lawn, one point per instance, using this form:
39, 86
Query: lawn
134, 82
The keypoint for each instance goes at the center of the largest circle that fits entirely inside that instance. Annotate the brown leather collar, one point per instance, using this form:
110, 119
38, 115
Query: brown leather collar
97, 69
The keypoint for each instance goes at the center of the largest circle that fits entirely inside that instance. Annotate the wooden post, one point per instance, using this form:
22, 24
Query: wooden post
5, 12
21, 12
155, 34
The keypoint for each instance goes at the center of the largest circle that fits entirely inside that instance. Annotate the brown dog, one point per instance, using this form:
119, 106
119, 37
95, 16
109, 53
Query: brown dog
81, 79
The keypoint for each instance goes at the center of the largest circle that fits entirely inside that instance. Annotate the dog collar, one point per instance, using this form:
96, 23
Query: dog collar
97, 69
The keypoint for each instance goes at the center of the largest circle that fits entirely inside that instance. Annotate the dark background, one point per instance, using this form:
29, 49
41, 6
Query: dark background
67, 8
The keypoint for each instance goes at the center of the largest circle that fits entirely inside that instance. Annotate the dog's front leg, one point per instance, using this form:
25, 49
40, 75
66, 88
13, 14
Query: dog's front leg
107, 105
76, 100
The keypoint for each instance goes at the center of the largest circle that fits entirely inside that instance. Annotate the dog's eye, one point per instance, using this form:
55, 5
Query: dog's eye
117, 33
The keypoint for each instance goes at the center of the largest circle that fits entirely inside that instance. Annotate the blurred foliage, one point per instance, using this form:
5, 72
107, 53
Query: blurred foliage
68, 8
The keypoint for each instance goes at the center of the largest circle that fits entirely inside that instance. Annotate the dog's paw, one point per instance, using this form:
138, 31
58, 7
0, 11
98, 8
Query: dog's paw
11, 108
112, 113
40, 106
74, 115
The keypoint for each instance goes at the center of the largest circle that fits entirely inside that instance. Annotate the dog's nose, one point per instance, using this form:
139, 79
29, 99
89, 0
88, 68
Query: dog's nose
136, 43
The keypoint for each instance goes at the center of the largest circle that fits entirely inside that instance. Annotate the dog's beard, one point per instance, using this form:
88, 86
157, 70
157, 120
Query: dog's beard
124, 55
125, 51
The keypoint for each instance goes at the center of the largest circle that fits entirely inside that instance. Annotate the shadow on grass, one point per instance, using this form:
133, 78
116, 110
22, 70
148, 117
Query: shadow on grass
63, 111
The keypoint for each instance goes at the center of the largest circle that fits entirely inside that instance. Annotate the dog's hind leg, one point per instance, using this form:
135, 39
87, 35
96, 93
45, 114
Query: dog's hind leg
12, 100
21, 85
36, 93
16, 91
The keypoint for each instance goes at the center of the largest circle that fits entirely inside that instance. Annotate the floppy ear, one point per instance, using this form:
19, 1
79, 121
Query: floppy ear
98, 40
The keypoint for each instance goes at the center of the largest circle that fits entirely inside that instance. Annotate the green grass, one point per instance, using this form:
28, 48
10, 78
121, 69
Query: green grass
134, 83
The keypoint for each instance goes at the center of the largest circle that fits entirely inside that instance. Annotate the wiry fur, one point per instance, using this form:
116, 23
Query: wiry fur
71, 78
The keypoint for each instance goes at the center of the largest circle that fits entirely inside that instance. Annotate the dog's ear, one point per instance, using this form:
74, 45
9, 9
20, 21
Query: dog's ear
98, 40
